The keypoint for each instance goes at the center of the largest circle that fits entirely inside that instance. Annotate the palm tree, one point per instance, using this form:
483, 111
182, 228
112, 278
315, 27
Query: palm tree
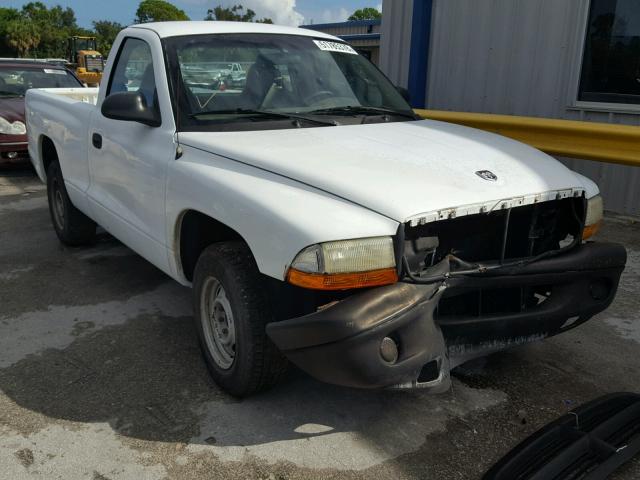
22, 36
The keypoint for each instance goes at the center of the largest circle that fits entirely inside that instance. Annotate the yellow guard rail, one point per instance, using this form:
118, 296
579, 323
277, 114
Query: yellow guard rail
604, 142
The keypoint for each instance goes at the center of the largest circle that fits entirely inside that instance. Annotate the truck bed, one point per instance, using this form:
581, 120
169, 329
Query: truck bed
62, 115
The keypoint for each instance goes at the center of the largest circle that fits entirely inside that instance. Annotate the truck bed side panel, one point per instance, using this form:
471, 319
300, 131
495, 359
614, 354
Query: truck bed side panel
65, 121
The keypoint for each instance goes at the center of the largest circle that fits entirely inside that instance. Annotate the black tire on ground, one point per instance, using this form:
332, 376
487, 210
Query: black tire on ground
72, 226
229, 296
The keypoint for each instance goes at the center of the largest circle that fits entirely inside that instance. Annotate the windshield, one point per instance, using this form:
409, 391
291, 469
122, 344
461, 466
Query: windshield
238, 82
15, 81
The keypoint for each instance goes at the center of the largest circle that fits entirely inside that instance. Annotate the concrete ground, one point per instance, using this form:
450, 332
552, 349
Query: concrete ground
101, 378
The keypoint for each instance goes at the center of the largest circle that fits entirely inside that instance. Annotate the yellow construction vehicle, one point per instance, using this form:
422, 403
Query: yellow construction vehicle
85, 59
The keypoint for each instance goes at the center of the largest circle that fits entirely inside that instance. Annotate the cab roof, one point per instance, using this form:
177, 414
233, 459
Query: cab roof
175, 29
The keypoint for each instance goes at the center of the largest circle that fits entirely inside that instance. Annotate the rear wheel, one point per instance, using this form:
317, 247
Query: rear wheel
231, 312
71, 225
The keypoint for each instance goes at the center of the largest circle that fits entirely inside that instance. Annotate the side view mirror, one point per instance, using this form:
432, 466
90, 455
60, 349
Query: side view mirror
131, 107
405, 93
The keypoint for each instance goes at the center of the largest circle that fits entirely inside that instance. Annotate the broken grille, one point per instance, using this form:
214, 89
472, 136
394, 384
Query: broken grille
496, 236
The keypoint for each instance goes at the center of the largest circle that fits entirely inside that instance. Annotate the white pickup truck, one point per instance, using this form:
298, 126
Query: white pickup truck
315, 216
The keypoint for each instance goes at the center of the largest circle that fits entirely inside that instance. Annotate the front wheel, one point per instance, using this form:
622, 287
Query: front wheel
231, 312
71, 225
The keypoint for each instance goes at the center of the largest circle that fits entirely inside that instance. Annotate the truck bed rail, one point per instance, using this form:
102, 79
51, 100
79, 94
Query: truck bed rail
85, 95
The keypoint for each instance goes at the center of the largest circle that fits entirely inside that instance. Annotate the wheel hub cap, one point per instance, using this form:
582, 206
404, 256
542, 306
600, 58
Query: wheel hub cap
218, 324
58, 206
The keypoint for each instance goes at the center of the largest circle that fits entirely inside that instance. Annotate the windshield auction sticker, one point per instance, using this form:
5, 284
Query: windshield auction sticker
334, 47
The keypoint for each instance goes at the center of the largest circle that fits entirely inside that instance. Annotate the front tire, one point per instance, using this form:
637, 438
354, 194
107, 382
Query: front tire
72, 226
231, 312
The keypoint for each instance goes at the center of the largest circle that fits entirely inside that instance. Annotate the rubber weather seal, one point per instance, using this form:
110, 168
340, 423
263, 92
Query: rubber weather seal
589, 443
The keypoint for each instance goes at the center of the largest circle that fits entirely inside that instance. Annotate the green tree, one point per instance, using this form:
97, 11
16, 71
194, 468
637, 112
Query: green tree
106, 33
368, 13
54, 25
57, 17
158, 11
22, 36
236, 13
7, 15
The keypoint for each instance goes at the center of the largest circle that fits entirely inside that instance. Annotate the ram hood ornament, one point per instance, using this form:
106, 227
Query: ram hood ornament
487, 175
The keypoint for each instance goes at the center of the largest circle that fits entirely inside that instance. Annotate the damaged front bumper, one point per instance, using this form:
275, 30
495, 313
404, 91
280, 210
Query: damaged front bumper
341, 344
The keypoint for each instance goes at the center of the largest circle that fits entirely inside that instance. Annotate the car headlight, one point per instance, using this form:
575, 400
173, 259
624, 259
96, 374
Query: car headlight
593, 219
15, 128
345, 264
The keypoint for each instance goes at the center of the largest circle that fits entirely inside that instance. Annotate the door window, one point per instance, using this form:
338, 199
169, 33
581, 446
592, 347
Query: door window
134, 71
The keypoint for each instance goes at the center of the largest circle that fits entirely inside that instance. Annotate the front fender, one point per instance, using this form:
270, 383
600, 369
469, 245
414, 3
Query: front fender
275, 215
590, 187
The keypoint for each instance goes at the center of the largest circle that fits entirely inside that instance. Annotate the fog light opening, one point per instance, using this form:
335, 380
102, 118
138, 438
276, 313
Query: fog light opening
389, 350
430, 372
12, 155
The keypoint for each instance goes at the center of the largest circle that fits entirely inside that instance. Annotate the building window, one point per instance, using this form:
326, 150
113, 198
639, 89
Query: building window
611, 62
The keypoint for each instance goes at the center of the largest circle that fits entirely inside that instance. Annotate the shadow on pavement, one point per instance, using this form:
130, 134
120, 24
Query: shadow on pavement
21, 169
146, 379
98, 335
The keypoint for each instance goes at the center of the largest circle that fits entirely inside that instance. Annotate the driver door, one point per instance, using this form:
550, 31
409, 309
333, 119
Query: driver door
129, 160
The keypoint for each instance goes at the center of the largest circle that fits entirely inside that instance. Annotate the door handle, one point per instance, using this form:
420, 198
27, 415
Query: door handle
96, 139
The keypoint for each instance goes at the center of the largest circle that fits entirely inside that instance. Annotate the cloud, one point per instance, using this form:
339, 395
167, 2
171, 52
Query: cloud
334, 15
282, 12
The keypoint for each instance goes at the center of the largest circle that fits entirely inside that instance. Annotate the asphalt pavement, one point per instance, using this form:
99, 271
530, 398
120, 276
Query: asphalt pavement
101, 378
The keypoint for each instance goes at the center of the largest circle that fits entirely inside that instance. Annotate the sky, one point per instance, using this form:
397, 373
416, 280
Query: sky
285, 12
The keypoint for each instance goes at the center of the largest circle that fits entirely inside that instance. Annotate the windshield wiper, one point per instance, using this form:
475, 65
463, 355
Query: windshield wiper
265, 113
362, 109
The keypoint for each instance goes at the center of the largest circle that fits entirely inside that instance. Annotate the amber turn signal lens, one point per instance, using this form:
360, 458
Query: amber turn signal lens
590, 230
342, 281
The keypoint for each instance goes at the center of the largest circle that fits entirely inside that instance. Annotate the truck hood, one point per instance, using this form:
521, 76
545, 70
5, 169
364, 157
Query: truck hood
407, 171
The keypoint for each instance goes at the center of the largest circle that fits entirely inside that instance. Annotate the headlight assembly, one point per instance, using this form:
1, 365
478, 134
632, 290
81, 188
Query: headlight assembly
593, 219
345, 264
15, 128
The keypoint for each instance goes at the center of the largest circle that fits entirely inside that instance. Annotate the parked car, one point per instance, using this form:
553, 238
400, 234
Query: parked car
214, 75
316, 218
196, 76
60, 62
233, 75
16, 77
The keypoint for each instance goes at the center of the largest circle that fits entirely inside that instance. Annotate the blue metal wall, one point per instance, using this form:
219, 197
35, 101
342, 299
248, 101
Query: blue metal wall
419, 52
